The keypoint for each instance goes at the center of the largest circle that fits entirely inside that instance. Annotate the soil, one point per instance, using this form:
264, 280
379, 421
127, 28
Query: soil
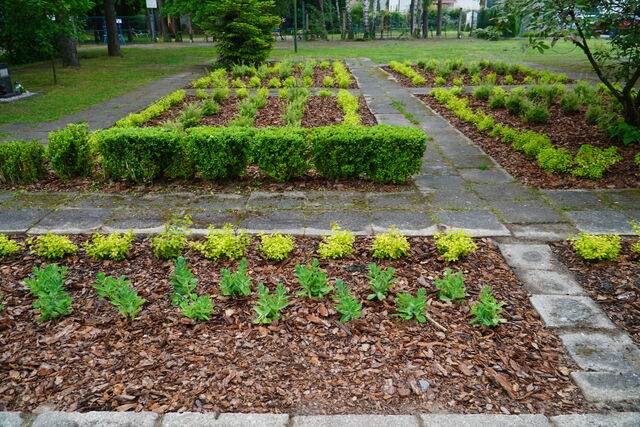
306, 363
227, 112
614, 285
271, 114
430, 76
567, 131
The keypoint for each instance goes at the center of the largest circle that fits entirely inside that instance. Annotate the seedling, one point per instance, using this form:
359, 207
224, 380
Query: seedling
451, 286
235, 283
487, 310
183, 282
198, 308
381, 281
120, 294
269, 305
410, 307
347, 305
313, 280
169, 244
48, 287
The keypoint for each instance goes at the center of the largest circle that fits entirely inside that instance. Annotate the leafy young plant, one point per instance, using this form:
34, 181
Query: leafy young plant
48, 287
276, 246
337, 245
223, 243
592, 162
596, 248
347, 305
390, 245
52, 246
1, 305
268, 306
183, 282
410, 307
635, 247
120, 294
451, 286
237, 283
114, 246
169, 243
487, 310
313, 280
555, 160
380, 281
8, 247
197, 307
454, 244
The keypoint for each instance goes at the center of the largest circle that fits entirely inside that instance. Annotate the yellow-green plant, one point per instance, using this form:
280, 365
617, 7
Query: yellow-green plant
274, 83
454, 244
343, 78
242, 93
350, 106
52, 246
635, 247
408, 71
596, 248
276, 246
390, 245
8, 247
328, 81
114, 246
169, 244
336, 245
223, 243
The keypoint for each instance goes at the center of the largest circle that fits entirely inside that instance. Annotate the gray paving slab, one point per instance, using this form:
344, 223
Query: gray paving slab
140, 221
602, 353
394, 200
439, 182
436, 168
72, 221
607, 386
356, 421
617, 419
542, 232
628, 199
219, 202
455, 199
11, 419
527, 212
504, 191
528, 256
575, 199
96, 419
320, 222
102, 201
285, 221
478, 223
20, 220
39, 200
545, 282
335, 199
190, 419
162, 200
412, 223
5, 197
482, 420
485, 175
279, 200
392, 119
473, 161
601, 222
451, 150
571, 312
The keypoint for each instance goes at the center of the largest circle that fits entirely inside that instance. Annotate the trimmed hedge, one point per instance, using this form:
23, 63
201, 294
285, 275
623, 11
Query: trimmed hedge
220, 152
21, 162
69, 151
282, 153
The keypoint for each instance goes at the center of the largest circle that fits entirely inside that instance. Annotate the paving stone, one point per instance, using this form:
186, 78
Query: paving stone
437, 168
478, 223
531, 211
528, 256
356, 421
70, 221
607, 386
545, 282
571, 312
542, 232
40, 200
474, 161
455, 199
486, 175
618, 419
393, 200
190, 419
451, 150
285, 221
20, 220
96, 419
632, 214
10, 419
480, 420
176, 200
219, 202
102, 201
507, 191
284, 200
412, 223
141, 222
335, 199
600, 352
576, 199
440, 182
624, 198
5, 196
601, 222
392, 119
320, 222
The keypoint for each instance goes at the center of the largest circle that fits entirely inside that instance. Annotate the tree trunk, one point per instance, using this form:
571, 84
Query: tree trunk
164, 25
418, 14
439, 19
177, 28
323, 26
374, 18
425, 18
339, 20
68, 48
347, 9
113, 42
412, 16
365, 18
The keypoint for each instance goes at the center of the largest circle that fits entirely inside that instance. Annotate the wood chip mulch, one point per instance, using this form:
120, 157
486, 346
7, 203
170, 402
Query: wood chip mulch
565, 131
307, 363
271, 114
614, 285
430, 76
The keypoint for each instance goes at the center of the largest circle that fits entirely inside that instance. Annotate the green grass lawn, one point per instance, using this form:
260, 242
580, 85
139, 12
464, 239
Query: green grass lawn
101, 78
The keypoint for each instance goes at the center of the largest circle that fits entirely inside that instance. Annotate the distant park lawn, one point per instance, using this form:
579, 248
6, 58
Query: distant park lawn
101, 78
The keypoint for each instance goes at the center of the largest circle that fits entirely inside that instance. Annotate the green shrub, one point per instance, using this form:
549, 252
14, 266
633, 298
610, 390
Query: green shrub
294, 110
619, 130
169, 243
350, 106
154, 110
242, 70
348, 306
223, 243
191, 114
143, 154
555, 160
219, 152
458, 81
570, 103
8, 247
380, 281
1, 305
120, 294
594, 114
596, 248
592, 162
197, 308
274, 83
283, 93
242, 93
337, 245
509, 80
237, 283
210, 107
451, 286
289, 82
219, 94
410, 307
268, 306
282, 153
483, 92
313, 280
328, 81
343, 78
325, 93
635, 247
536, 114
390, 245
487, 310
201, 94
276, 246
21, 162
114, 246
454, 244
52, 246
515, 104
47, 286
69, 151
440, 81
324, 65
307, 81
238, 83
497, 101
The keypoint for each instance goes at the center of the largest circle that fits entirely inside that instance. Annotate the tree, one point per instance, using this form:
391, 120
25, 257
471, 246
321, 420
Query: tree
439, 19
347, 11
365, 18
242, 29
113, 42
425, 18
579, 21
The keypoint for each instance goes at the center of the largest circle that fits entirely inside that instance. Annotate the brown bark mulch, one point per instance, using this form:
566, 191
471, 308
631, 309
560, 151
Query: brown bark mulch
171, 113
614, 285
321, 111
566, 131
430, 76
368, 119
306, 363
227, 112
271, 114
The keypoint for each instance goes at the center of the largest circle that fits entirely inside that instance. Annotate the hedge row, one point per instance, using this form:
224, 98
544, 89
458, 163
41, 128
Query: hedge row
385, 154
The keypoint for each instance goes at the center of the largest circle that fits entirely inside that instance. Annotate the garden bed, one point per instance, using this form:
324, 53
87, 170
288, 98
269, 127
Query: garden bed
568, 131
614, 285
306, 363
